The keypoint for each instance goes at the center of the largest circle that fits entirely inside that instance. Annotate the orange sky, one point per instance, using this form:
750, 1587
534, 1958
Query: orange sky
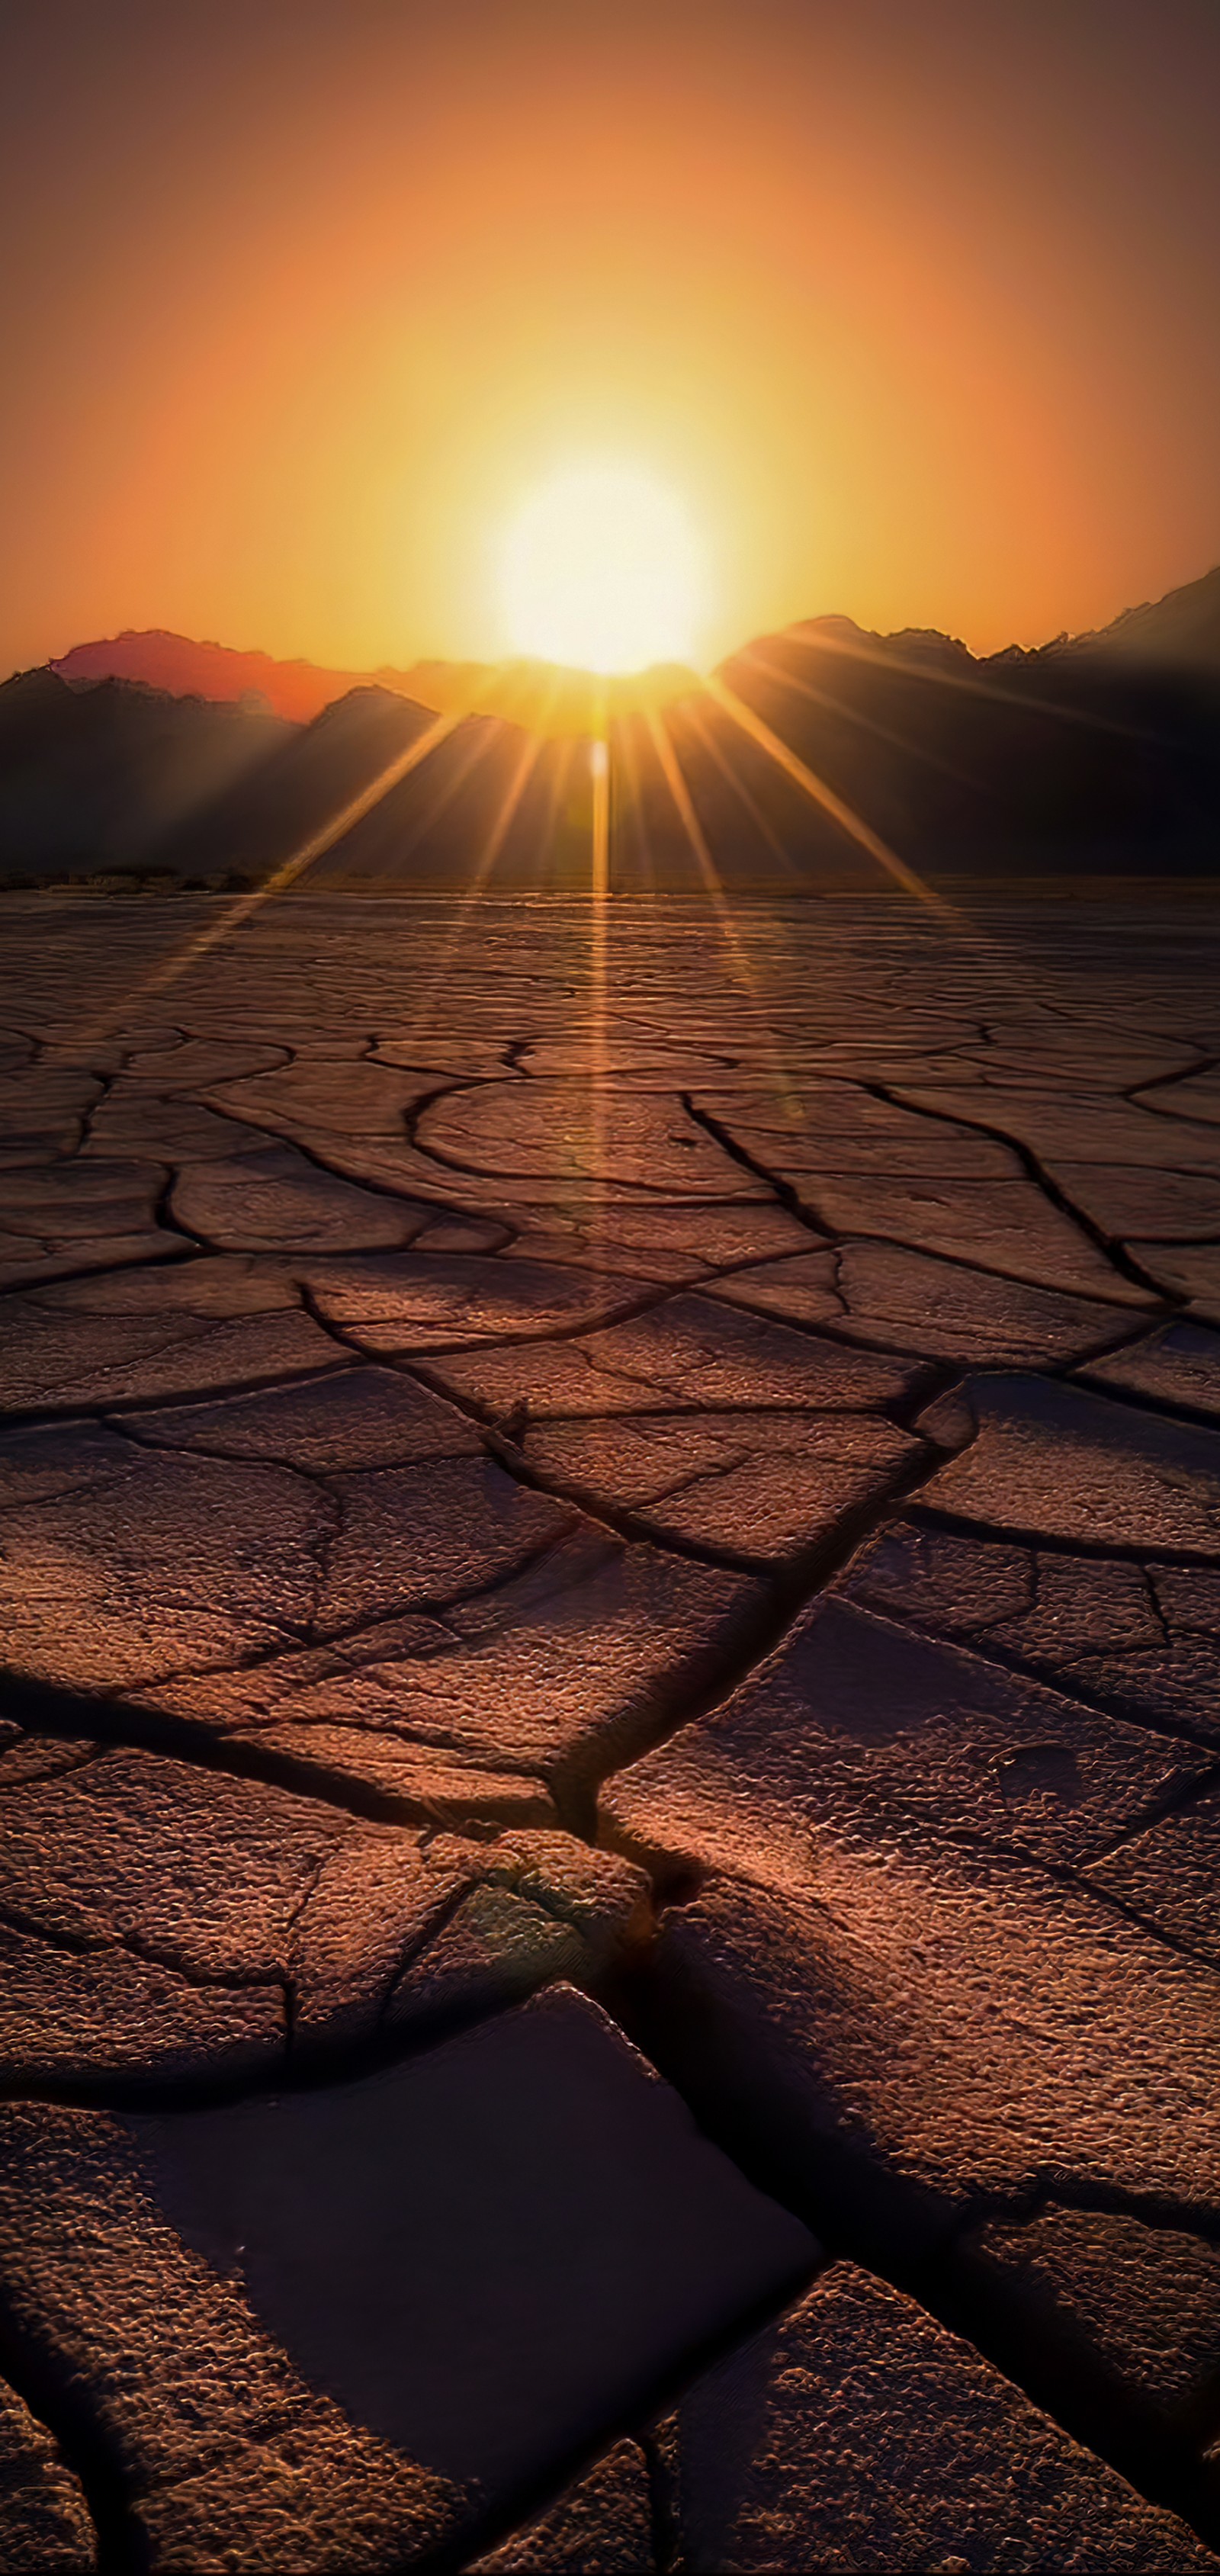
914, 301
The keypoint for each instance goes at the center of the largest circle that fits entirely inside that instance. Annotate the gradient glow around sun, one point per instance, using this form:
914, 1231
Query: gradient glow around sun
602, 569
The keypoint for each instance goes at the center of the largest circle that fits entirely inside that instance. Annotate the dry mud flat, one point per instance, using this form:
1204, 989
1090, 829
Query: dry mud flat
610, 1574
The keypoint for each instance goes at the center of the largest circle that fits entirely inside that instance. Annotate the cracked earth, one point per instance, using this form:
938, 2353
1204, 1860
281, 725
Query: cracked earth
609, 1738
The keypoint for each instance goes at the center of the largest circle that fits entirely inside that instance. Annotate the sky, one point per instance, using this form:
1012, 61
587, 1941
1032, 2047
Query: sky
911, 304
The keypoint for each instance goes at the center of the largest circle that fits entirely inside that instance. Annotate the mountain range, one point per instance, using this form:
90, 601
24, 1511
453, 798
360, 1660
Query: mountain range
535, 694
153, 757
1181, 631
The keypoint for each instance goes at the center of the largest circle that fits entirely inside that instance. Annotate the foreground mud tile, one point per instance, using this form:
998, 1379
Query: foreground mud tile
341, 1099
135, 1336
428, 1535
1047, 1460
538, 1686
485, 1211
120, 1563
688, 1354
761, 1488
424, 1049
854, 1709
190, 1064
858, 2434
835, 1127
1178, 1366
43, 1109
911, 2026
645, 1058
124, 1562
705, 1237
224, 2454
334, 2329
44, 2520
888, 1295
440, 1301
1064, 1119
879, 1983
1125, 2306
869, 1167
600, 2526
1142, 1201
1025, 1235
1189, 1270
1143, 1636
274, 1200
1198, 1096
63, 1217
567, 1132
161, 1921
135, 1119
1170, 1874
356, 1418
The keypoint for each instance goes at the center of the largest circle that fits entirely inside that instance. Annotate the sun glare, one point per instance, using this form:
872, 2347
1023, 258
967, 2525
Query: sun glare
603, 570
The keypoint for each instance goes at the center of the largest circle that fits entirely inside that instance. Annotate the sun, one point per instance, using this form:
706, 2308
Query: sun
602, 569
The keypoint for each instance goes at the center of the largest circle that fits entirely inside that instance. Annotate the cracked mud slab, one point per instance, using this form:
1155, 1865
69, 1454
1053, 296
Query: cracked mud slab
605, 2524
560, 1498
514, 2238
161, 1922
857, 2434
44, 2519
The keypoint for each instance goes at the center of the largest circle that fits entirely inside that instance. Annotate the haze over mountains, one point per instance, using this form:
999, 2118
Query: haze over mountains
1180, 631
533, 693
152, 757
297, 690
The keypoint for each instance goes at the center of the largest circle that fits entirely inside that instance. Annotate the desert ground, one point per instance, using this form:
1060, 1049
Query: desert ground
610, 1554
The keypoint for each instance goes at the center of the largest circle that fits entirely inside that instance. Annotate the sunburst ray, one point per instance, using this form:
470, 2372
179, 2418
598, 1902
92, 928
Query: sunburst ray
419, 1029
734, 945
854, 715
286, 875
820, 794
741, 791
964, 683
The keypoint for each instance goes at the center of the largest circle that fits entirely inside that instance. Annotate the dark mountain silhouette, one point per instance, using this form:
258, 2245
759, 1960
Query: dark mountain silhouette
253, 824
1180, 632
1094, 752
489, 798
103, 778
1090, 755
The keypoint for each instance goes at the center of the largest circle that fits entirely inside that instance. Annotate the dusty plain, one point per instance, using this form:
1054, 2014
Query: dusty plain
610, 1747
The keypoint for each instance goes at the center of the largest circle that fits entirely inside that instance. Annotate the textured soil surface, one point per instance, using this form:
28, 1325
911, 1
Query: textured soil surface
609, 1738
